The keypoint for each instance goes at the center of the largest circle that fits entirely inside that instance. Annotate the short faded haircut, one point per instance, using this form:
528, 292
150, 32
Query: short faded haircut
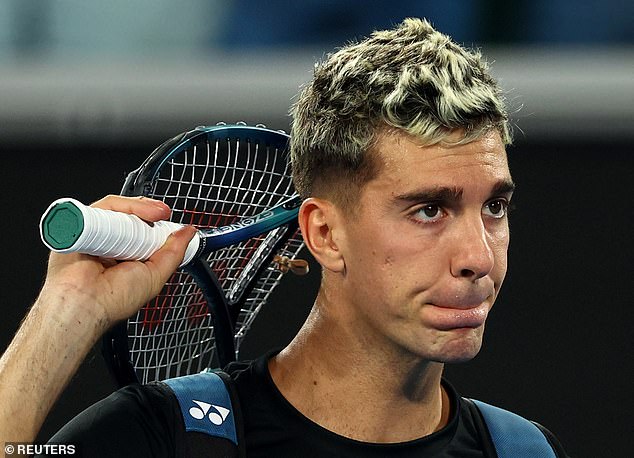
411, 79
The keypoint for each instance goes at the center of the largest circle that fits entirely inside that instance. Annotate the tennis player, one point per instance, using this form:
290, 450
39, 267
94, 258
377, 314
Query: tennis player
398, 148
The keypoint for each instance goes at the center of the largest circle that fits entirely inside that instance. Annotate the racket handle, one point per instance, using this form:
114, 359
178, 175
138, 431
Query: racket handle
69, 226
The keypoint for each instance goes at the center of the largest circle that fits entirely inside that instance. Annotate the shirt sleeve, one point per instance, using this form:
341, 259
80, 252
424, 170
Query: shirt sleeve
136, 421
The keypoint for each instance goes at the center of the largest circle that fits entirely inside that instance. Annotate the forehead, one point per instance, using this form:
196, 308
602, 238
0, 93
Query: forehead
403, 160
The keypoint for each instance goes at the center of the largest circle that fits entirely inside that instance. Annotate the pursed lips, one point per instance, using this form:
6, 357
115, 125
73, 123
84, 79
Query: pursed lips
459, 311
462, 300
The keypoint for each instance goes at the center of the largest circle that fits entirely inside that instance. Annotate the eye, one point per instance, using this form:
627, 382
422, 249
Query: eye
429, 213
497, 208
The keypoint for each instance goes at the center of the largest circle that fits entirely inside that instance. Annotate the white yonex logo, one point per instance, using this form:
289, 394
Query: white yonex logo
217, 417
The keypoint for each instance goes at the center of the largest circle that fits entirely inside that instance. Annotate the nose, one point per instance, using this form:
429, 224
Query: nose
472, 255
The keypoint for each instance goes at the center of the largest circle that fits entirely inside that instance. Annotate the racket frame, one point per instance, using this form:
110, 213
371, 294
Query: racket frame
224, 313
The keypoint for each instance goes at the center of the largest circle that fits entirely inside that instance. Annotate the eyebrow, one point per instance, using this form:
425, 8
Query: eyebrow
503, 187
451, 193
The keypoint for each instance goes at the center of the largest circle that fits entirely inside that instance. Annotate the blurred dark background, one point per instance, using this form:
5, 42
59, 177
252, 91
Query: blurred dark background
88, 89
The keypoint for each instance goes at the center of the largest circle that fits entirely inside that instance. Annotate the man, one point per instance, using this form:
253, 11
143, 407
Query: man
398, 148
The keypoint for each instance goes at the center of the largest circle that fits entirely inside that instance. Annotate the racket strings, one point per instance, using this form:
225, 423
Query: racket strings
167, 348
211, 184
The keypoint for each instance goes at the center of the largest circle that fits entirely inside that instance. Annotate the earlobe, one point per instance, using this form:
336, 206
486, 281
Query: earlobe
318, 220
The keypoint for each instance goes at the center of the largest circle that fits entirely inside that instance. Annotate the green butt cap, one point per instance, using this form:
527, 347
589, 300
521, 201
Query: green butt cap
62, 225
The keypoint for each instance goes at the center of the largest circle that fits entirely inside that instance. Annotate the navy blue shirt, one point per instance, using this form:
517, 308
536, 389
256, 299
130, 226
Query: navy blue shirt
145, 421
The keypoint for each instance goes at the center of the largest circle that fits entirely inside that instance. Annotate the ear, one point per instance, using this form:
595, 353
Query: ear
319, 222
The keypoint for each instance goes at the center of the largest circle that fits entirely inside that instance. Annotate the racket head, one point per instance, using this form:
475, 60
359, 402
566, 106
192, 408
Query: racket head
210, 177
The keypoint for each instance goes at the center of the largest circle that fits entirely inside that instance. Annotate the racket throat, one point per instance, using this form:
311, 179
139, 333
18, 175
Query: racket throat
256, 264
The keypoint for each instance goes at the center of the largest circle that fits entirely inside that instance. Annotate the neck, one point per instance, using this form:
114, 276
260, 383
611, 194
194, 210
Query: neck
356, 386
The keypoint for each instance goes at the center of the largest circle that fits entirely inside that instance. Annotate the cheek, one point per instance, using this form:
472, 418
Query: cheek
394, 256
499, 246
500, 267
408, 268
382, 266
374, 250
412, 257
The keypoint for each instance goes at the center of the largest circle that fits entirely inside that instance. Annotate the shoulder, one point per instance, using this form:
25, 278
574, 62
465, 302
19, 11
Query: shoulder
509, 434
209, 407
137, 420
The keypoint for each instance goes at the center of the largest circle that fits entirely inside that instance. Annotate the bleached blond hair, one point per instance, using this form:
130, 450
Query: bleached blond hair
410, 78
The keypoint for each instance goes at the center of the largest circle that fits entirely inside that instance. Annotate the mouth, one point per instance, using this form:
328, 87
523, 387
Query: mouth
446, 317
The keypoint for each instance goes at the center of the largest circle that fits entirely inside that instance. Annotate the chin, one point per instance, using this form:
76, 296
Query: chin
460, 349
459, 358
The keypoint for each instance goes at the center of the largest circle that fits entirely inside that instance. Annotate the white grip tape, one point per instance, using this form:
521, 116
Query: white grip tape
121, 236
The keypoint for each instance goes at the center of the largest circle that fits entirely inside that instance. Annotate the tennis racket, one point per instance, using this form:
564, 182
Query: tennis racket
233, 183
